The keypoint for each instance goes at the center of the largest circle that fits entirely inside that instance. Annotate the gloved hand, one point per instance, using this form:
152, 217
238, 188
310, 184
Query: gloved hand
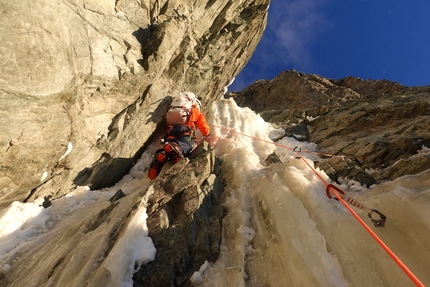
212, 140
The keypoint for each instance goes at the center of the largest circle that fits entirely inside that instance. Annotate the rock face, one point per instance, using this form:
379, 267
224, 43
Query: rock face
377, 127
184, 221
84, 84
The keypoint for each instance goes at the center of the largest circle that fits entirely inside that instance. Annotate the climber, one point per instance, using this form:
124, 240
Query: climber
183, 118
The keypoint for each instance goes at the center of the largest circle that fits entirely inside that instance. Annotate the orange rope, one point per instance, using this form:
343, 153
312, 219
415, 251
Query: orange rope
271, 142
405, 269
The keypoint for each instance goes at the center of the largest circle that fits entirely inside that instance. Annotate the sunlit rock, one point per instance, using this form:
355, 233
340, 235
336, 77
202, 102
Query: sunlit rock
99, 75
381, 125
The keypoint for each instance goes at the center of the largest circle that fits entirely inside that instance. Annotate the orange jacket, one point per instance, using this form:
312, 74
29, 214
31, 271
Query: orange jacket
198, 120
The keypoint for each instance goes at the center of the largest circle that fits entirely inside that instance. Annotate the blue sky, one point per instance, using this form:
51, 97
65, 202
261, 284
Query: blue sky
369, 39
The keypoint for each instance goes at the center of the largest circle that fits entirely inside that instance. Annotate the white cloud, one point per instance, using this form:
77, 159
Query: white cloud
296, 28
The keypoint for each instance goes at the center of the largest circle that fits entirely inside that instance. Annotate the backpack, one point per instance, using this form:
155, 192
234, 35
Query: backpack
180, 108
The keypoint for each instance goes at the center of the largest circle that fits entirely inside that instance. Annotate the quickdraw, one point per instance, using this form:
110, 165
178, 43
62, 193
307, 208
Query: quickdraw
338, 192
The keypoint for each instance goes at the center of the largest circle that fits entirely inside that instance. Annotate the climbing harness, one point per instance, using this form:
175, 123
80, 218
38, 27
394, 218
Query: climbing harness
345, 200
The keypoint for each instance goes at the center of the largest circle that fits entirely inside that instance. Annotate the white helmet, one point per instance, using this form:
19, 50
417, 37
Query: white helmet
191, 97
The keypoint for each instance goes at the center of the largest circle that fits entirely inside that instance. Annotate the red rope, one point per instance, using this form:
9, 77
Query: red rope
405, 269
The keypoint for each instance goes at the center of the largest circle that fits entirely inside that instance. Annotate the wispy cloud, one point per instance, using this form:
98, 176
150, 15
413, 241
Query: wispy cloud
293, 28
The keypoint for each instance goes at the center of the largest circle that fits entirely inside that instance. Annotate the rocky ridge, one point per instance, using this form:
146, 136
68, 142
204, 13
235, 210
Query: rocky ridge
376, 128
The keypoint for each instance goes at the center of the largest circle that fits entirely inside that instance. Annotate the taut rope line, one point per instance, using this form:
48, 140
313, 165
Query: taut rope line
340, 196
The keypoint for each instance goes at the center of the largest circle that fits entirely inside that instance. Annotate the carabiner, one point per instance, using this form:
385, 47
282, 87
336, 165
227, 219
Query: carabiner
378, 222
297, 147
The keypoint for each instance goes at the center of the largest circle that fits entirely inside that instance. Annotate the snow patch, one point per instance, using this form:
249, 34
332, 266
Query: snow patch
229, 84
69, 149
132, 250
276, 134
44, 176
197, 277
424, 149
310, 119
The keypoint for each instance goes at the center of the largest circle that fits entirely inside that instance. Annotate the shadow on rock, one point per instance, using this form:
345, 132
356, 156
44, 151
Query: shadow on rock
184, 221
106, 172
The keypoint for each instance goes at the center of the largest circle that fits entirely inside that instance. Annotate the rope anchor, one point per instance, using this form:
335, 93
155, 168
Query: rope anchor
339, 193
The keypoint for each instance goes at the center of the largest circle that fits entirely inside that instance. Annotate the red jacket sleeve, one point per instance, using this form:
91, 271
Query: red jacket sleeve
199, 119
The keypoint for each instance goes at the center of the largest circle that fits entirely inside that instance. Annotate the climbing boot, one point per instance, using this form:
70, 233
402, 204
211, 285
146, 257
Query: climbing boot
173, 151
157, 163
